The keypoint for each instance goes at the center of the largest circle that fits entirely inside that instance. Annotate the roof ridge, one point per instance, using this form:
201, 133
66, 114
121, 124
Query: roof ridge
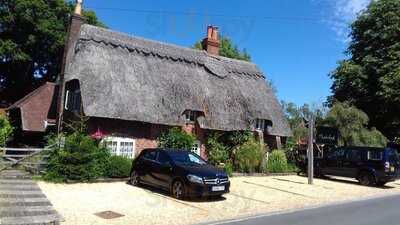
196, 51
31, 94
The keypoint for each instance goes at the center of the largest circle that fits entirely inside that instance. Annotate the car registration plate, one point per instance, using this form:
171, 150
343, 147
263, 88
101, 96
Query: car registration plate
218, 188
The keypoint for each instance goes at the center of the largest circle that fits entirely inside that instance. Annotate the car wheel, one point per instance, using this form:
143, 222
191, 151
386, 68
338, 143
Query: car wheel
134, 179
178, 190
318, 174
217, 197
380, 184
366, 179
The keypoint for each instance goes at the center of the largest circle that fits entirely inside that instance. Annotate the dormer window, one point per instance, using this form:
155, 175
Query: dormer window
190, 116
260, 124
73, 100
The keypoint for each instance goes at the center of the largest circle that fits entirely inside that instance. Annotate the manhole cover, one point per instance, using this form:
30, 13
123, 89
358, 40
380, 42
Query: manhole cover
108, 215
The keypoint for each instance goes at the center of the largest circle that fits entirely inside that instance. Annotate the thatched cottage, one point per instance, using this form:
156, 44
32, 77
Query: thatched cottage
132, 89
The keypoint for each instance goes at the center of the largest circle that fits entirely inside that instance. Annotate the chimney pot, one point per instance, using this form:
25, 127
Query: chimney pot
209, 31
215, 33
78, 7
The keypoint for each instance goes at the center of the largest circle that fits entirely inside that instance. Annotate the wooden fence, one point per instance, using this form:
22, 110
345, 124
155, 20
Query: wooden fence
32, 159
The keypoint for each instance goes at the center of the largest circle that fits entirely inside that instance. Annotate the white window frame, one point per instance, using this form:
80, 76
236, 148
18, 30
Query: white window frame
190, 114
196, 148
119, 147
66, 100
259, 124
72, 100
369, 155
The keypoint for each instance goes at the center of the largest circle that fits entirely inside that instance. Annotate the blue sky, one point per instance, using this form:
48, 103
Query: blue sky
296, 43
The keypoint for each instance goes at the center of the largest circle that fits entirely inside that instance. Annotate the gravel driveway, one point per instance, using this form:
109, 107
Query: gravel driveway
78, 203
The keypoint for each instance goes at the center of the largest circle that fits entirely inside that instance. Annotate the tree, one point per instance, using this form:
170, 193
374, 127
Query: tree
295, 116
228, 49
370, 78
176, 138
351, 122
80, 158
352, 125
32, 37
5, 130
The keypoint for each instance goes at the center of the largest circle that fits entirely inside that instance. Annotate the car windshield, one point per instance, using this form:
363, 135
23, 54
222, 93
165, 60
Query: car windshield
186, 157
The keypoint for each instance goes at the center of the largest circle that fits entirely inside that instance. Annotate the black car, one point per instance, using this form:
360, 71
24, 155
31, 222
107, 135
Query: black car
183, 173
370, 166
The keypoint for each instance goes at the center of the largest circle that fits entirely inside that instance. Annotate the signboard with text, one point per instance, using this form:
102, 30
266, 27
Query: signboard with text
327, 135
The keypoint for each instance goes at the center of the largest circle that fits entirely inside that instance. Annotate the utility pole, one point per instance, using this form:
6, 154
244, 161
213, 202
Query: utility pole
310, 151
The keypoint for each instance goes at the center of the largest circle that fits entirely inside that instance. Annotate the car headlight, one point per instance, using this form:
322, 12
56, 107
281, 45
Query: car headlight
195, 179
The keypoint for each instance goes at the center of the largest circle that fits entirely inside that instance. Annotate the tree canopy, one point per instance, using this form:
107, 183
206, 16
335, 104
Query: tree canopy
370, 78
228, 49
351, 122
32, 37
295, 115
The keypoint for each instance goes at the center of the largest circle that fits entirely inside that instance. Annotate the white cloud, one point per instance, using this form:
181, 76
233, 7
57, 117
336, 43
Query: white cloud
343, 12
348, 9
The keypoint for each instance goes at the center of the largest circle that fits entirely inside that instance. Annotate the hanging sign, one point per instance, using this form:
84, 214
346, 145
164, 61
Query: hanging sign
327, 135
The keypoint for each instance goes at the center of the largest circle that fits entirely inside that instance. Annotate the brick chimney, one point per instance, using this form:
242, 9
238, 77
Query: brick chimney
211, 43
76, 21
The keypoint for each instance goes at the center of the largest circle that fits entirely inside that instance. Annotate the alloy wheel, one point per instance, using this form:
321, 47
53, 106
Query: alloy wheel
177, 189
134, 179
365, 179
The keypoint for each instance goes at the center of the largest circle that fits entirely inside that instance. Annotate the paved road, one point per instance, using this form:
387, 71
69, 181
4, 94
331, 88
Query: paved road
379, 211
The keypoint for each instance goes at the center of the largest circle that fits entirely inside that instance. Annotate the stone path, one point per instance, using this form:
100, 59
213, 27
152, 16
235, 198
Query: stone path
22, 202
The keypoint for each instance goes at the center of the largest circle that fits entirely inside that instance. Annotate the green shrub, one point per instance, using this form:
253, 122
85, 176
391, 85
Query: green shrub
277, 162
237, 138
118, 167
228, 168
217, 152
79, 159
248, 156
292, 168
5, 130
177, 139
291, 155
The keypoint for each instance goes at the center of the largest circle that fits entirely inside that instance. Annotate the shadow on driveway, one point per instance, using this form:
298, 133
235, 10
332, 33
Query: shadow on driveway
166, 194
352, 182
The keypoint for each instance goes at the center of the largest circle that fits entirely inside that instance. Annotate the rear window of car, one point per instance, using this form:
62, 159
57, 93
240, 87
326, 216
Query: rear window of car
375, 155
354, 155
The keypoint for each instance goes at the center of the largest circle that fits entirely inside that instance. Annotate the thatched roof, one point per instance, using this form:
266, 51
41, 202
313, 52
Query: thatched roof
130, 78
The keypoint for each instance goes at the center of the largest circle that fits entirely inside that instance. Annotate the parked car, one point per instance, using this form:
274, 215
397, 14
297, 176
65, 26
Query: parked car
370, 166
183, 173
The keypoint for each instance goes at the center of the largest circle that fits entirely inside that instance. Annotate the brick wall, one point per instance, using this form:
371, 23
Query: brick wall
145, 134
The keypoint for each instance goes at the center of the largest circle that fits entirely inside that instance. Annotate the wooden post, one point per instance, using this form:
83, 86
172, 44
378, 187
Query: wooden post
278, 142
264, 160
310, 150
